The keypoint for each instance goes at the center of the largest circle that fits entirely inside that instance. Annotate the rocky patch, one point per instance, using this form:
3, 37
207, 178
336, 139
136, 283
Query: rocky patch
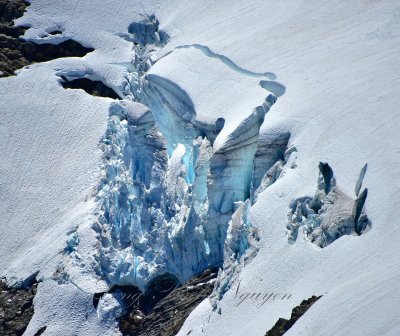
283, 325
167, 316
16, 309
16, 53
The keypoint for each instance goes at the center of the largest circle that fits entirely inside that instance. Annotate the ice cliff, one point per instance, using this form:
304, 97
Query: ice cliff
176, 187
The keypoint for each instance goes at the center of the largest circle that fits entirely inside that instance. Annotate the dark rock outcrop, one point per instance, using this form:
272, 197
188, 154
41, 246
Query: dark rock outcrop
167, 316
16, 309
16, 53
283, 325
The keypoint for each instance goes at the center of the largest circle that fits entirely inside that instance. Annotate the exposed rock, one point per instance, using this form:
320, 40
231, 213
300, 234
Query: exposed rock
16, 309
283, 325
16, 53
10, 54
169, 313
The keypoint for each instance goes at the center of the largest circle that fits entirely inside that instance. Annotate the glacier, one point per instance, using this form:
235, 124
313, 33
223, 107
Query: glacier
226, 111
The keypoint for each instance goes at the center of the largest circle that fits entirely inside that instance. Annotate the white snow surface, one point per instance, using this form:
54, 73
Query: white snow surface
339, 64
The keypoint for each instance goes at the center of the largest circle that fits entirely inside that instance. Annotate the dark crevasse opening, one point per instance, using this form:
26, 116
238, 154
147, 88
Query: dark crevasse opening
93, 87
55, 32
40, 331
46, 51
327, 175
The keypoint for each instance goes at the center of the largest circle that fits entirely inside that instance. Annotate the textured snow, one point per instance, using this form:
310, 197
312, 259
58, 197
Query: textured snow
334, 68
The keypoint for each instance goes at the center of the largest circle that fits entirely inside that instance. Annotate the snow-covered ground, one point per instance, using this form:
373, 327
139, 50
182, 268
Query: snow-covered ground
333, 67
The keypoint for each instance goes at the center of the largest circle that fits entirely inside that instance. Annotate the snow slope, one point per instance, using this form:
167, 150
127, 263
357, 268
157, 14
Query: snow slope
334, 68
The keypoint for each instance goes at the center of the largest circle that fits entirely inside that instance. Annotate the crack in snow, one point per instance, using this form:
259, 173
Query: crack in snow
227, 61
